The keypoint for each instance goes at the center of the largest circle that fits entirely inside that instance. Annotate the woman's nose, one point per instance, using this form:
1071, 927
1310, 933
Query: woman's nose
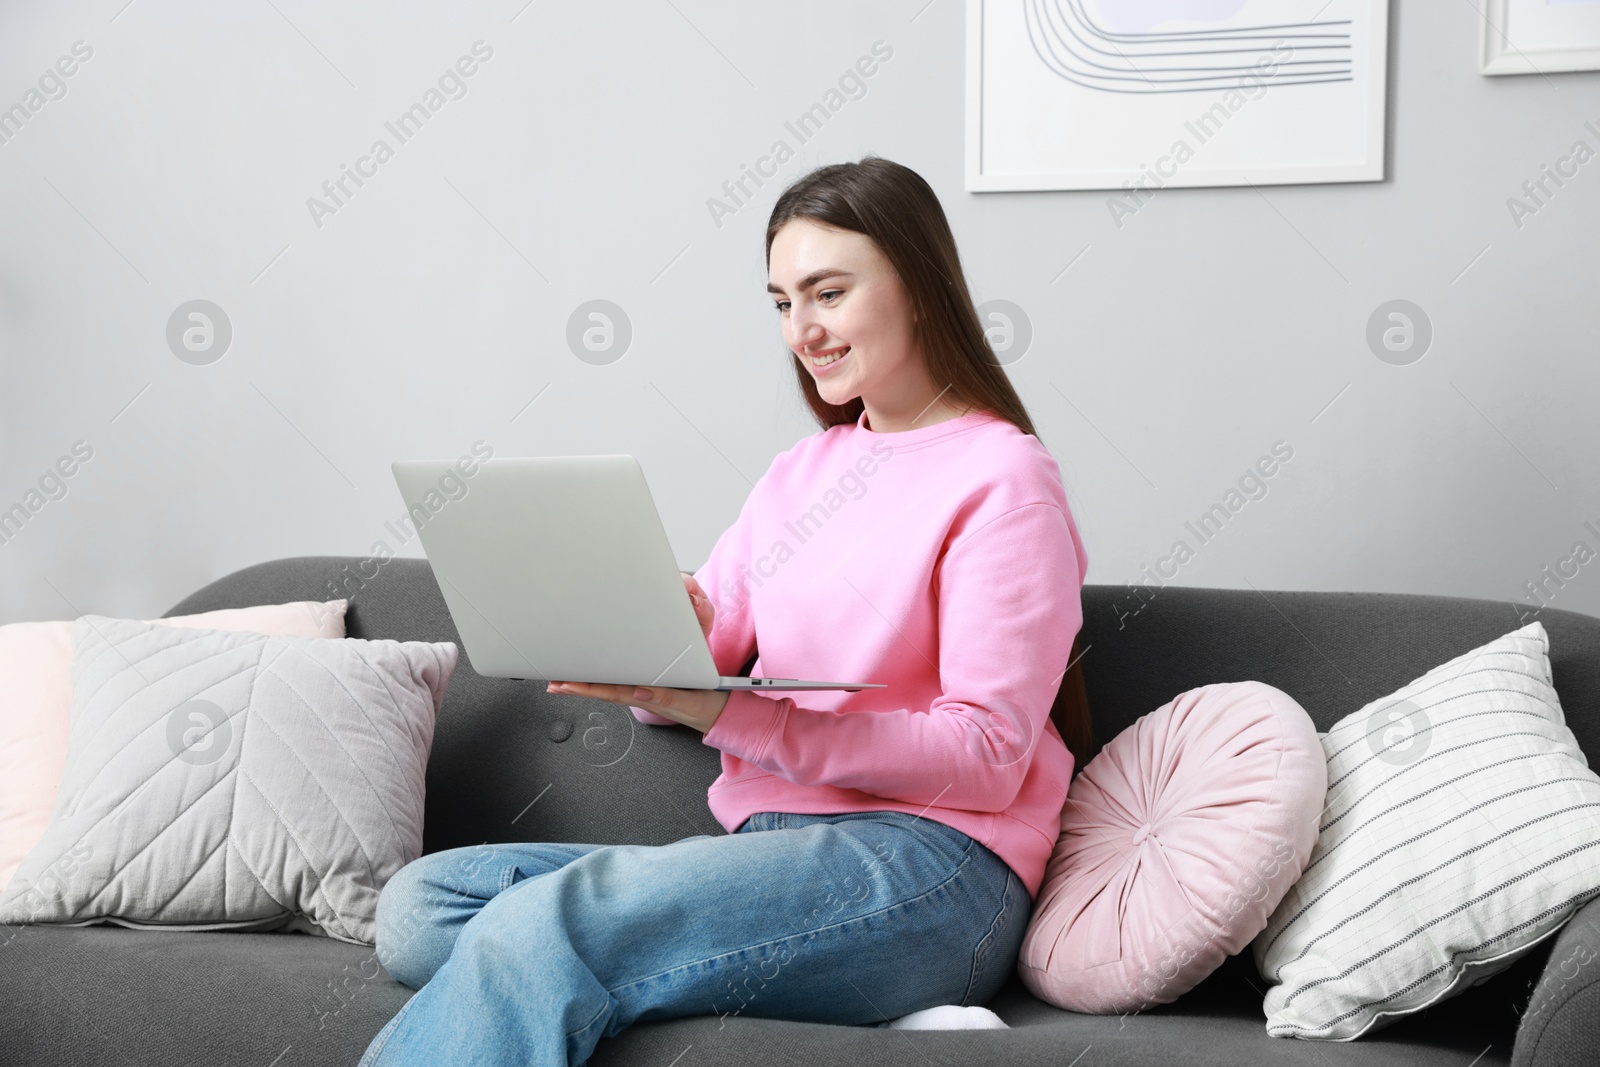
807, 334
804, 328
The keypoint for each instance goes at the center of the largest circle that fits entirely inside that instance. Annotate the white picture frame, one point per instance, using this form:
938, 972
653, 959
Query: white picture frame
1517, 37
1012, 80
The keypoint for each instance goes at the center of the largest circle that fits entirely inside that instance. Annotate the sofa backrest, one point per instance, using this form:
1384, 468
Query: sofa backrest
513, 763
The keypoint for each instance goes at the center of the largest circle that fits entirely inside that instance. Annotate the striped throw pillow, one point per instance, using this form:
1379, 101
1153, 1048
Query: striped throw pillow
1462, 827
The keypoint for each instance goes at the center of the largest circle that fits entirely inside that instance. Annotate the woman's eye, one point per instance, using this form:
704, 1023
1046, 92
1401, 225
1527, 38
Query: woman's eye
783, 305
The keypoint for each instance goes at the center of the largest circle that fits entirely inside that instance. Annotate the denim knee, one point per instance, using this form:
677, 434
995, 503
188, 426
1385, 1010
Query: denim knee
404, 915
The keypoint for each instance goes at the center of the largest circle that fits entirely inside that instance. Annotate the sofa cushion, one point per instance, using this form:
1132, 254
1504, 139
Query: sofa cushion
36, 679
1177, 841
104, 996
234, 780
1462, 827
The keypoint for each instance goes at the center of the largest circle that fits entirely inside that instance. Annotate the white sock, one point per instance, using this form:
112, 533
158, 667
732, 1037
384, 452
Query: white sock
950, 1017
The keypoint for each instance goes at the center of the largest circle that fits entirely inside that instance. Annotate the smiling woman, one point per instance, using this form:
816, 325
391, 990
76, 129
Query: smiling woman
954, 582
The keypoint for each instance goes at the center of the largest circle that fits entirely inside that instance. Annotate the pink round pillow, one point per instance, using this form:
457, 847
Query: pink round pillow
1177, 842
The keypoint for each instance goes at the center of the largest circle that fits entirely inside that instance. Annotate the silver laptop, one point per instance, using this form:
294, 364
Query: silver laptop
558, 567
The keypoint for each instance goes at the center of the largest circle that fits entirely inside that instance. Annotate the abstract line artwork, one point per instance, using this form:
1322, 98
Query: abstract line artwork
1140, 95
1069, 42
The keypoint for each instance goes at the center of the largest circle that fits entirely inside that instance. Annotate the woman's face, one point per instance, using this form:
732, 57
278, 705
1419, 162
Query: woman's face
837, 293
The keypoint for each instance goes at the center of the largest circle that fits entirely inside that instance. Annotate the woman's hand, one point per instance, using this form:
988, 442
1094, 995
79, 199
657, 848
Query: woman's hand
704, 610
699, 708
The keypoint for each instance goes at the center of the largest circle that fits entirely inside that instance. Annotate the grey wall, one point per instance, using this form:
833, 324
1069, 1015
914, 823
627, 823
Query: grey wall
432, 307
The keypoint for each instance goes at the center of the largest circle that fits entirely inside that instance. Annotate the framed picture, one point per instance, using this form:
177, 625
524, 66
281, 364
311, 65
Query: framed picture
1539, 36
1141, 94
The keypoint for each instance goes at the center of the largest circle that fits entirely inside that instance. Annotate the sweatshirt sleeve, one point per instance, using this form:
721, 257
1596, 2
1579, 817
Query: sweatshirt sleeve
725, 578
1009, 607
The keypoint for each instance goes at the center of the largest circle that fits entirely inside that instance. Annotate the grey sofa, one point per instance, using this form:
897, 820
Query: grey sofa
511, 762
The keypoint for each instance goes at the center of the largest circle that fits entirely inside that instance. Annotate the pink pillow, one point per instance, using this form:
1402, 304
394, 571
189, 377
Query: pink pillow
36, 705
1177, 842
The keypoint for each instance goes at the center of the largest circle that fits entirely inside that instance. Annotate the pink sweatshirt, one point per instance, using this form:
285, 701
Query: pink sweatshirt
942, 561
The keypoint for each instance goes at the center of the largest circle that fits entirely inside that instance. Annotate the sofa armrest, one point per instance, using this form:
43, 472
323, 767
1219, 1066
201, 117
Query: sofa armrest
1562, 1022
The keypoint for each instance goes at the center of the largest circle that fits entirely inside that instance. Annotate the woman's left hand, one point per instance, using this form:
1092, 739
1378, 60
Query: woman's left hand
698, 708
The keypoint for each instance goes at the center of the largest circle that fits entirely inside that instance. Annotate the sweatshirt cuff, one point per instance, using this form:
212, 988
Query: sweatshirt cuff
745, 725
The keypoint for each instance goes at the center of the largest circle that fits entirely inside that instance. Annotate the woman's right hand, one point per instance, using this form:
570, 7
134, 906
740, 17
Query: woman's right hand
704, 610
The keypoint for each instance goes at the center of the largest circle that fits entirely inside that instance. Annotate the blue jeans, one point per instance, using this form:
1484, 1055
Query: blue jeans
531, 953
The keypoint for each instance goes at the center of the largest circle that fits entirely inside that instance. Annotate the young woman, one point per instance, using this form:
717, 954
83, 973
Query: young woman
885, 845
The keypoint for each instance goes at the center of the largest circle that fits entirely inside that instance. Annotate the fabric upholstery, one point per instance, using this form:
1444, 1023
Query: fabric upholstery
106, 997
1562, 1022
220, 780
1177, 842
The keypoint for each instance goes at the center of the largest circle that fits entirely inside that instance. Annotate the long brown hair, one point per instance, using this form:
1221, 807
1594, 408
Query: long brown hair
896, 208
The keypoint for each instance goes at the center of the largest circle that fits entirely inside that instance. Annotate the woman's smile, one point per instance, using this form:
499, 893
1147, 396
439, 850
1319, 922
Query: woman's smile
827, 362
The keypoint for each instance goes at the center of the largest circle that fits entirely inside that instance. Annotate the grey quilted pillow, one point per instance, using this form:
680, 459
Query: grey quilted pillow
218, 780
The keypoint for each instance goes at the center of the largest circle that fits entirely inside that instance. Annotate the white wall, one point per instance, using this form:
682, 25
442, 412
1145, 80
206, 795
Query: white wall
432, 307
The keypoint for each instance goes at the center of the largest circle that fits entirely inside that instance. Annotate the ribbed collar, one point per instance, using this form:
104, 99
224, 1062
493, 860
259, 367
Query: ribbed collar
922, 435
